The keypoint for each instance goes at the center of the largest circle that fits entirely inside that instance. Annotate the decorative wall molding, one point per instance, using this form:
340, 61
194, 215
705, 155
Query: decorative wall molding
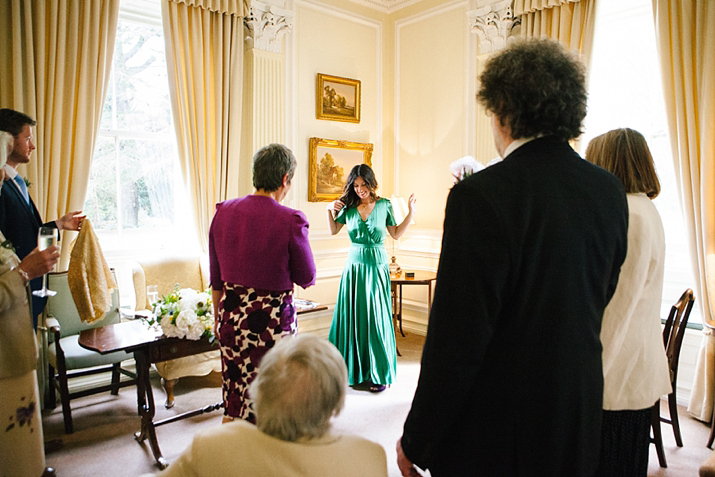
386, 6
266, 25
495, 25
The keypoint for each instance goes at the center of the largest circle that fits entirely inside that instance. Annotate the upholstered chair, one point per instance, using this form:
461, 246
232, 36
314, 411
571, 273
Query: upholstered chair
165, 273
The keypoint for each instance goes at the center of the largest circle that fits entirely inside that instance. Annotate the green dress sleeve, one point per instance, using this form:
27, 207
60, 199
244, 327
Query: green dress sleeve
390, 214
340, 218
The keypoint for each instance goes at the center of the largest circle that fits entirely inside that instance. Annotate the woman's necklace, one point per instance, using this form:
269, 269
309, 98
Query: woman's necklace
365, 209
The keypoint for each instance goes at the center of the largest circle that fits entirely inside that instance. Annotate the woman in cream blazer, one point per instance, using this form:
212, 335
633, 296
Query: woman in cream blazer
21, 440
635, 367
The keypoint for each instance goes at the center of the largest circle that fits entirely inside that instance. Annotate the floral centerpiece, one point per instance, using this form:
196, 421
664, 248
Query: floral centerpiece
185, 313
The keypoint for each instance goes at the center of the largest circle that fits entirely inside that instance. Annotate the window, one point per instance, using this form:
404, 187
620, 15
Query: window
625, 90
135, 185
136, 198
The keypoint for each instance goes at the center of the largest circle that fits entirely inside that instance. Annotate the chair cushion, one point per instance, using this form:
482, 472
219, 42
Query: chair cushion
77, 357
197, 365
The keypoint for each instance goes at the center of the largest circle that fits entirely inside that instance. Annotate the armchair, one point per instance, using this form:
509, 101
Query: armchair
67, 359
165, 273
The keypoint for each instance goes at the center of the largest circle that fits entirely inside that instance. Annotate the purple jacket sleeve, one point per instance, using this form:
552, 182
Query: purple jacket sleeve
214, 268
302, 265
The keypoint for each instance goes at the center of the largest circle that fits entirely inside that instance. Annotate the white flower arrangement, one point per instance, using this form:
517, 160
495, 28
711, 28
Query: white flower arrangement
185, 313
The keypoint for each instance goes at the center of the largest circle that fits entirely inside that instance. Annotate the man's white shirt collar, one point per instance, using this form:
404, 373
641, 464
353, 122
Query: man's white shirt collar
515, 144
11, 174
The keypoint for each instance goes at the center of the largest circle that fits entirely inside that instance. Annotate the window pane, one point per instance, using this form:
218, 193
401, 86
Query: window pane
147, 183
101, 203
625, 90
142, 91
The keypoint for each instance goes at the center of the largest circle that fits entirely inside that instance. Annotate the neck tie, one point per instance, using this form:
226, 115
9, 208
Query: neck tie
23, 188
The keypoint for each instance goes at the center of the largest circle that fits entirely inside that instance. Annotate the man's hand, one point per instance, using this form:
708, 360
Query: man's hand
71, 221
37, 263
407, 468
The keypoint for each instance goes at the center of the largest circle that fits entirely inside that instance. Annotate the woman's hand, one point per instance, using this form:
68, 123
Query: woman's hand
407, 468
37, 263
336, 205
334, 226
71, 221
411, 203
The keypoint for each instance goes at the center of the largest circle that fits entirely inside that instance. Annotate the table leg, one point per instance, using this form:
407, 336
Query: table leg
393, 291
400, 315
145, 397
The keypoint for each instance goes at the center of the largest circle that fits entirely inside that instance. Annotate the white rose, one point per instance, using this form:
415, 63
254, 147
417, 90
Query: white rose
169, 329
189, 299
195, 330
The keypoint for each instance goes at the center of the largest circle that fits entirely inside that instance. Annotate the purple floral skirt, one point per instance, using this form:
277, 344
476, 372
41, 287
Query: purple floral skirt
250, 323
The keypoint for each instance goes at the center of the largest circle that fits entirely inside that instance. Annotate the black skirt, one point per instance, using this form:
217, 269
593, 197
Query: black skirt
625, 437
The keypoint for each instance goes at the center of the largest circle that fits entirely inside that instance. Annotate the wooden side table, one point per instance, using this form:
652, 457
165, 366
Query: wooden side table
149, 346
396, 284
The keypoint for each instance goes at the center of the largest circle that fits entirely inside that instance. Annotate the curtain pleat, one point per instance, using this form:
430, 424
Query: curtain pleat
58, 56
528, 6
231, 7
686, 47
570, 22
205, 64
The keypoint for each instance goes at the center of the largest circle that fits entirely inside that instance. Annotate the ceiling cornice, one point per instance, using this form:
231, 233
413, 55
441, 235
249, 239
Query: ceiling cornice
386, 6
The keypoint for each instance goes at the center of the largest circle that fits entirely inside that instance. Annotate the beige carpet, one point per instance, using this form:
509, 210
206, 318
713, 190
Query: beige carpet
103, 442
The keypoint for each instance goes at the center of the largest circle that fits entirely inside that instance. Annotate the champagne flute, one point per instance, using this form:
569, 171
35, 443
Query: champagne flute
47, 237
152, 294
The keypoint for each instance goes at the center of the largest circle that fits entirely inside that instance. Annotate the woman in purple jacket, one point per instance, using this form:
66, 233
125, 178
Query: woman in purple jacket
258, 249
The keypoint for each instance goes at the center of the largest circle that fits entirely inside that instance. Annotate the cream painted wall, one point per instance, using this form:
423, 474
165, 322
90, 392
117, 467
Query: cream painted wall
430, 106
433, 78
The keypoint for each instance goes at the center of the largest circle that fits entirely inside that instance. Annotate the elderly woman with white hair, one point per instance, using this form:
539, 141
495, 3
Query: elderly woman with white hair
300, 386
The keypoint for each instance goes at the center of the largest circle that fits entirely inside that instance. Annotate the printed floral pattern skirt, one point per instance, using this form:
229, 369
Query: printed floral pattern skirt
22, 451
250, 323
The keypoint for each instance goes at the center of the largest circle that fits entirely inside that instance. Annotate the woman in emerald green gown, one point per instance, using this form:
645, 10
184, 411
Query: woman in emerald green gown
362, 320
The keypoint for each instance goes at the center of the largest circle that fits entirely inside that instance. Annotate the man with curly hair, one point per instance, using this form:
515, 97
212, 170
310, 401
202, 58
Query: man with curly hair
511, 381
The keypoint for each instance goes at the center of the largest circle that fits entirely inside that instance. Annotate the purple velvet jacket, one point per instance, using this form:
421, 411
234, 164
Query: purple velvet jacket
256, 242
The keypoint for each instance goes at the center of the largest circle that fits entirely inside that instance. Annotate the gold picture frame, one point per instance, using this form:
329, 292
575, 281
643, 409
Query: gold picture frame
337, 99
330, 163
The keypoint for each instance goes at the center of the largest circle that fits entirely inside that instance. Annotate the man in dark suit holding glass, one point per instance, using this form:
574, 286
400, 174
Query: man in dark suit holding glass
20, 220
511, 381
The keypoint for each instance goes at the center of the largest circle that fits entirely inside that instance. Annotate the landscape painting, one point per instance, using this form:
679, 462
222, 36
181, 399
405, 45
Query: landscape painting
337, 99
330, 163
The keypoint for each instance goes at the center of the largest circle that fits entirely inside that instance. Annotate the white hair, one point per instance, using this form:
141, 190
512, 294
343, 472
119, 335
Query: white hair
465, 167
300, 385
6, 141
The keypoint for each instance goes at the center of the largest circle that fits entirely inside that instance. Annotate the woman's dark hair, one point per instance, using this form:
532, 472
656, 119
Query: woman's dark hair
535, 88
270, 164
625, 154
350, 197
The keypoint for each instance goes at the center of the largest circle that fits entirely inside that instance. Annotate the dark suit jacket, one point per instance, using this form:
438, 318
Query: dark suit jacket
511, 381
20, 223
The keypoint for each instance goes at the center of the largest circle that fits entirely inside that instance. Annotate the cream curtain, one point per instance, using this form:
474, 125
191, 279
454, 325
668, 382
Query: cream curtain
686, 46
570, 22
204, 49
56, 56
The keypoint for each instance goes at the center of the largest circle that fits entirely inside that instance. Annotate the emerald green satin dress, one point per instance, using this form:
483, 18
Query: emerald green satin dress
362, 320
